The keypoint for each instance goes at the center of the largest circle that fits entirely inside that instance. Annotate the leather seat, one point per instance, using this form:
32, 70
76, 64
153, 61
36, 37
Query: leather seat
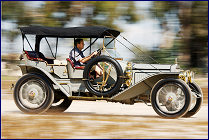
38, 56
73, 66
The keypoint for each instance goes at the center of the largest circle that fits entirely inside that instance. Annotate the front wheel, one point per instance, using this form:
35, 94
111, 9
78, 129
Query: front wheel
171, 98
33, 94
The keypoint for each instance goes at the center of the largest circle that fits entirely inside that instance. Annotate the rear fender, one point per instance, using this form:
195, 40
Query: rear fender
27, 69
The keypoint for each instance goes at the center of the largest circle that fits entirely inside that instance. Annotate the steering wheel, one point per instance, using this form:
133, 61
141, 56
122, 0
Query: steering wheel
98, 53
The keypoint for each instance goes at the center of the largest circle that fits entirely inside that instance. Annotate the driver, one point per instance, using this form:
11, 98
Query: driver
76, 55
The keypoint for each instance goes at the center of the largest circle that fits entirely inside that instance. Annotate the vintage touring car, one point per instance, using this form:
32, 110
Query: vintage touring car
50, 86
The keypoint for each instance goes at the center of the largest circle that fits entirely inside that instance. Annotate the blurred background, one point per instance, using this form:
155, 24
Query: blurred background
165, 30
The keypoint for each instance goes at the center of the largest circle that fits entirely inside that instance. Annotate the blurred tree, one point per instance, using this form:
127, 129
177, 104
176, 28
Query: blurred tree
16, 12
60, 13
56, 13
106, 12
129, 13
192, 40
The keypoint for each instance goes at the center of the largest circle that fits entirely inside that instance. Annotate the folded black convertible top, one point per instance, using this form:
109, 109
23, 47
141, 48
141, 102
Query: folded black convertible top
73, 32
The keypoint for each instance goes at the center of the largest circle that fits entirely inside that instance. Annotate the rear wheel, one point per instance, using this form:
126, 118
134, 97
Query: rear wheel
171, 98
197, 99
33, 94
103, 76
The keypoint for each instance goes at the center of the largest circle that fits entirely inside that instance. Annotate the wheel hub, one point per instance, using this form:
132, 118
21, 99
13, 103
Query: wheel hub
32, 94
171, 97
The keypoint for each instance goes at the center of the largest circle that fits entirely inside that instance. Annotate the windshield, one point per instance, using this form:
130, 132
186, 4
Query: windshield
109, 43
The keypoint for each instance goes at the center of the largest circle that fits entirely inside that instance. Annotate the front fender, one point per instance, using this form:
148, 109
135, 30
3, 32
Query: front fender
145, 84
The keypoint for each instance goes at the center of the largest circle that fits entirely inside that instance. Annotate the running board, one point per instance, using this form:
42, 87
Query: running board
88, 98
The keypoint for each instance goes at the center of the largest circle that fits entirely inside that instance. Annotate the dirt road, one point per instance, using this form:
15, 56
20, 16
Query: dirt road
101, 119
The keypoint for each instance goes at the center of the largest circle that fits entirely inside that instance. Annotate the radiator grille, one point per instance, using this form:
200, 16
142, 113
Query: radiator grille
139, 76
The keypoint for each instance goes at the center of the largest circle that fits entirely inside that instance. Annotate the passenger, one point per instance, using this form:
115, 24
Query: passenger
78, 58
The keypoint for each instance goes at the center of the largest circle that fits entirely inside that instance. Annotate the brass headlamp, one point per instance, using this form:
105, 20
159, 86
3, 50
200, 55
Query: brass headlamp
187, 76
128, 74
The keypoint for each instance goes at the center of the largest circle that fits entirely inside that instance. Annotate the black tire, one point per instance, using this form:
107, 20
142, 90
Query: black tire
159, 86
117, 84
60, 105
194, 87
28, 90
